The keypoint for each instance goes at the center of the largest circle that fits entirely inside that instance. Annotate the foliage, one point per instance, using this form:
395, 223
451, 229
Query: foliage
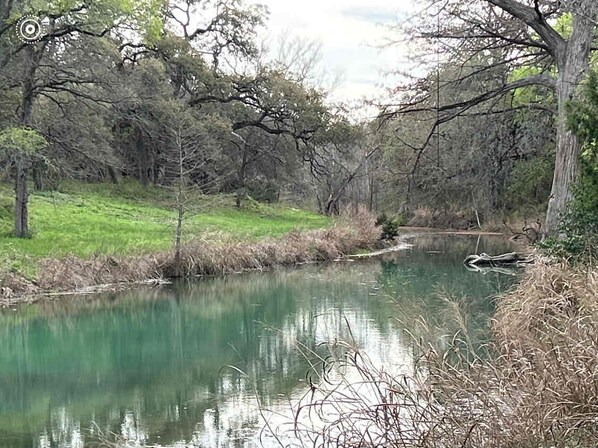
579, 225
390, 226
19, 140
527, 96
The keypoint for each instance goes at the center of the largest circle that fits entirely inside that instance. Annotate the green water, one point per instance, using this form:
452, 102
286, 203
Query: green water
153, 365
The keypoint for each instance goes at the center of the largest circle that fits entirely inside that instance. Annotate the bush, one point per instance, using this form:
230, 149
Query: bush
263, 192
578, 229
390, 226
578, 240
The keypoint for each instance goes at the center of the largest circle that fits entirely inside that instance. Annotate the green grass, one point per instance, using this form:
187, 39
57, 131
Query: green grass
84, 219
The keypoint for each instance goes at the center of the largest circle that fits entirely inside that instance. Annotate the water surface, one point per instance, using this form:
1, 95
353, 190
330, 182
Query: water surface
184, 365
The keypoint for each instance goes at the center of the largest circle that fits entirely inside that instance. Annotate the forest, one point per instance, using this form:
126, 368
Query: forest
185, 96
168, 145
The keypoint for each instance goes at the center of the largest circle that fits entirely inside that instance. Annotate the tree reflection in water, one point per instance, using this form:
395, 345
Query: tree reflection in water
150, 364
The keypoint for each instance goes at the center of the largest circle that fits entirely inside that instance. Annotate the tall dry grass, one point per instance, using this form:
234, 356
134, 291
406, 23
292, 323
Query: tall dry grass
448, 218
538, 386
219, 254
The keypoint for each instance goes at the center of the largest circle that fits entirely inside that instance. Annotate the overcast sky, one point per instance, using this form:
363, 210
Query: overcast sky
350, 33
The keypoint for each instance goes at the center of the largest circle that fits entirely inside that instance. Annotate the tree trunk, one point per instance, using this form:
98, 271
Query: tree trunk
113, 176
21, 229
177, 240
332, 207
573, 64
21, 215
38, 183
241, 179
180, 207
142, 158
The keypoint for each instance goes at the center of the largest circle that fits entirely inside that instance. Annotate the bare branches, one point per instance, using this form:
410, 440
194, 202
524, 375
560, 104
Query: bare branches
462, 106
533, 17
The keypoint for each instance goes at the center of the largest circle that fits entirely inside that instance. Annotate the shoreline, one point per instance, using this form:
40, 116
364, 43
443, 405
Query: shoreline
325, 245
72, 275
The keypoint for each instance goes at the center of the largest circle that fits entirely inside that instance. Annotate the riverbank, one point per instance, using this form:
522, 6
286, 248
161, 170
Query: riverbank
540, 386
88, 238
535, 385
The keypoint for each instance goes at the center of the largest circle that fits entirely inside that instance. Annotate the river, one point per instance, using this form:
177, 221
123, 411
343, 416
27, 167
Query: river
185, 364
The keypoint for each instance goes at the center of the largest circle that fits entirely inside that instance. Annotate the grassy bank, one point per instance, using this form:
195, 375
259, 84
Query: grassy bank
89, 234
536, 387
86, 219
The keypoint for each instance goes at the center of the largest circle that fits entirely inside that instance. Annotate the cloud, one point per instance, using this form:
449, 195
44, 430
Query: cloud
371, 15
351, 33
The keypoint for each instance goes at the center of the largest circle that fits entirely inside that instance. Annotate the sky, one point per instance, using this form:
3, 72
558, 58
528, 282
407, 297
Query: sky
351, 34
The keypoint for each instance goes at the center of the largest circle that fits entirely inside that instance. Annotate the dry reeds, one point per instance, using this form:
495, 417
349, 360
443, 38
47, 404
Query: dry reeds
444, 219
538, 387
214, 256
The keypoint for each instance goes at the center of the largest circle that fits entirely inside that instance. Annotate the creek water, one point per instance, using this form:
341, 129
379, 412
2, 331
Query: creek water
185, 364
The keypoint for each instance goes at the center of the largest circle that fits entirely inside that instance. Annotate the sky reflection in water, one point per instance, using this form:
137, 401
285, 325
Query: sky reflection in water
151, 365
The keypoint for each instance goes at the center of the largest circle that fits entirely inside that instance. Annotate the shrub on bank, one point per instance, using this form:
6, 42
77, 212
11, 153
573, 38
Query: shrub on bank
389, 226
578, 239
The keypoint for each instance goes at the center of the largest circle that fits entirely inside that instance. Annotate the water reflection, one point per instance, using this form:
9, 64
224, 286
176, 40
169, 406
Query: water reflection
183, 365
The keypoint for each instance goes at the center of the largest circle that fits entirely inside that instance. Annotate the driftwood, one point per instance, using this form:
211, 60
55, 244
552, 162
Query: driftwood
510, 259
398, 247
512, 270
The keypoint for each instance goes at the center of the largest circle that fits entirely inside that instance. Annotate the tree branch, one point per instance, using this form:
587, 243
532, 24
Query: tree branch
542, 80
532, 17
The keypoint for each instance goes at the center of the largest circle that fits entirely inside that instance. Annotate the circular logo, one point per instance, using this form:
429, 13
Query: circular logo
29, 29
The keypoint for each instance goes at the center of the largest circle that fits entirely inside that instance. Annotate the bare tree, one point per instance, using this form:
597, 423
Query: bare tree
187, 155
525, 32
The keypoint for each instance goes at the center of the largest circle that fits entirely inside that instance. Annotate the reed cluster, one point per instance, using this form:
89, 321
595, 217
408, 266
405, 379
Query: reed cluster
535, 386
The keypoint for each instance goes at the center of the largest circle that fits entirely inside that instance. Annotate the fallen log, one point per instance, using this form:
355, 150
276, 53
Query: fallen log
398, 247
509, 259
